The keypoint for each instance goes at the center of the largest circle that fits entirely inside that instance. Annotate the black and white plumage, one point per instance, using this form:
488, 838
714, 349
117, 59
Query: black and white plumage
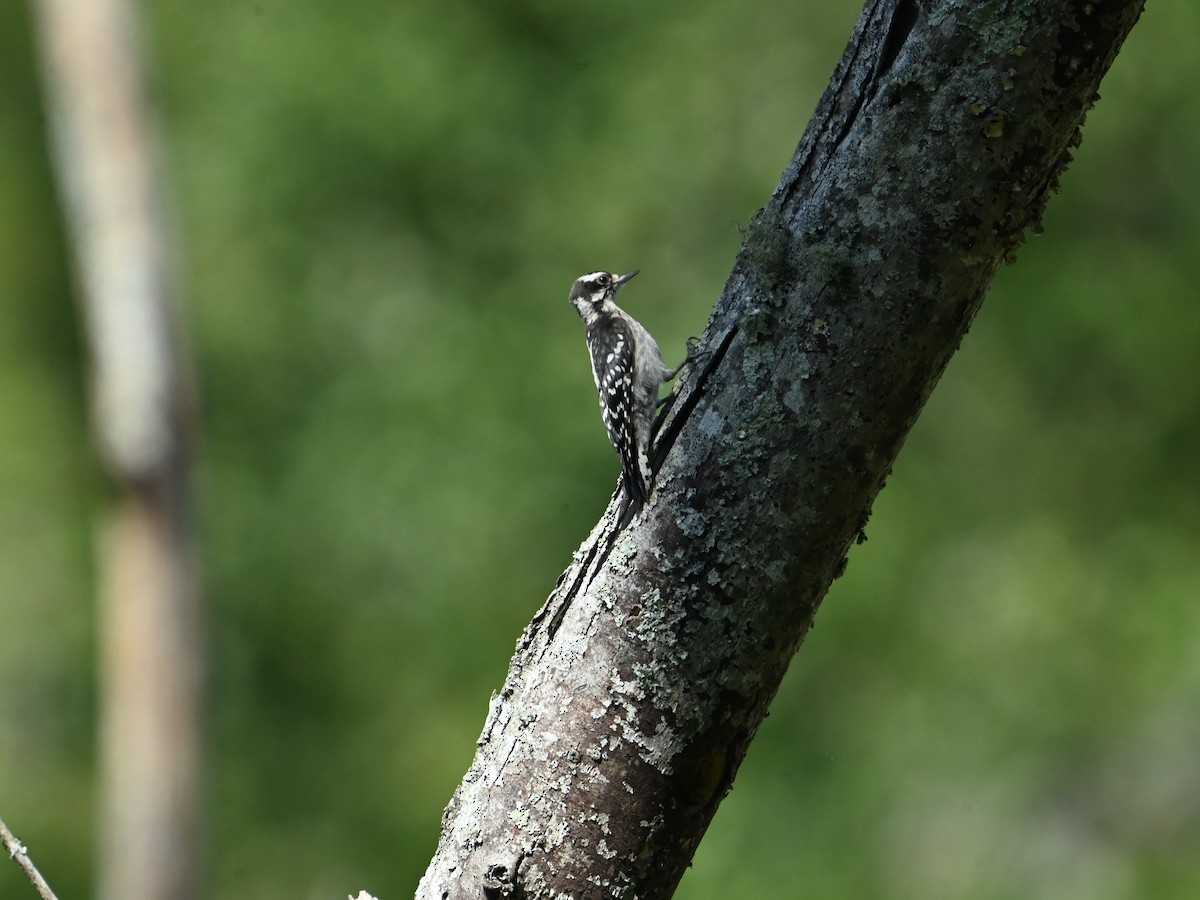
628, 369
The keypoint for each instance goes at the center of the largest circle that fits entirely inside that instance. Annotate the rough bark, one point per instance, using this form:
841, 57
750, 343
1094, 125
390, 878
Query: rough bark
151, 640
635, 691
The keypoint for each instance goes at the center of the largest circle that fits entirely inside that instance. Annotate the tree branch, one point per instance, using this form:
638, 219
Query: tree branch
151, 636
18, 852
636, 690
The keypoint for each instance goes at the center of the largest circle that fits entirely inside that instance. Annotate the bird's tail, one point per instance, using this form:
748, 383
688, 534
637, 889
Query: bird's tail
635, 475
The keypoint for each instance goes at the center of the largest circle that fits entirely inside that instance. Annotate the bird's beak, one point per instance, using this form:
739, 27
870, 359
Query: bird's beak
624, 278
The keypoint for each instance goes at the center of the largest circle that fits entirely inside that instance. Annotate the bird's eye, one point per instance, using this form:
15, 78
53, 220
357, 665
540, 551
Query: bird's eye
603, 281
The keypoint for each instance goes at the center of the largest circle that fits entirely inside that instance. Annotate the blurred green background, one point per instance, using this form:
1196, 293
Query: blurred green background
384, 205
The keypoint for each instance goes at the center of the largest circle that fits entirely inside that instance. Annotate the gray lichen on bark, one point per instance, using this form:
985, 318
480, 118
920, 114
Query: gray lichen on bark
635, 691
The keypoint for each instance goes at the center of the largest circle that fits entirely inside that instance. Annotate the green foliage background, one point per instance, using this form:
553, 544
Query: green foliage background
384, 205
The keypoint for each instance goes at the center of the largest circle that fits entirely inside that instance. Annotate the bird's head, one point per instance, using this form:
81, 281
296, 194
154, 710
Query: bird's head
591, 292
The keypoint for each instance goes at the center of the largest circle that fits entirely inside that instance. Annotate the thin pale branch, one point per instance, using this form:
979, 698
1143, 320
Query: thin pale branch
20, 854
151, 636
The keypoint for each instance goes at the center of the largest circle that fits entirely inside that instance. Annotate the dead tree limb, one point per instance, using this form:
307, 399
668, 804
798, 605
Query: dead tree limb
635, 691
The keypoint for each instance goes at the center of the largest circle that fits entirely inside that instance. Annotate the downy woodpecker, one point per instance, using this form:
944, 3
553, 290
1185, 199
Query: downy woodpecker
628, 369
